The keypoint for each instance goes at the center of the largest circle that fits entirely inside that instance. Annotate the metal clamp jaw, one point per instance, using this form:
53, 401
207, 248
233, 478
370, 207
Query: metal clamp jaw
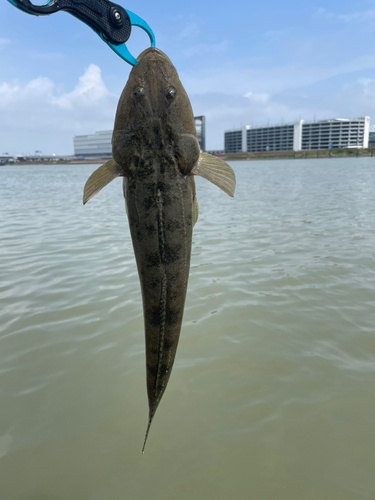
110, 21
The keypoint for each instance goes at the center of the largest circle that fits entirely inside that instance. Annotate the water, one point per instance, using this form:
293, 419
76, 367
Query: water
273, 390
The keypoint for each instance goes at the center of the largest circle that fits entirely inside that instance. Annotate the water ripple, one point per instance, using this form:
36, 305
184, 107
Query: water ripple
275, 370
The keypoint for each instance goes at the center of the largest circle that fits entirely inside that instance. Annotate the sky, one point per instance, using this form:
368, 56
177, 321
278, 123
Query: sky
241, 63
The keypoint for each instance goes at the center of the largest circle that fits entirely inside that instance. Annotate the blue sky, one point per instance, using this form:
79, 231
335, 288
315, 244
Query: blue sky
242, 63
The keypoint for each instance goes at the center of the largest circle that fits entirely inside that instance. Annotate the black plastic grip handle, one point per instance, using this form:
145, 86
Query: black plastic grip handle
103, 16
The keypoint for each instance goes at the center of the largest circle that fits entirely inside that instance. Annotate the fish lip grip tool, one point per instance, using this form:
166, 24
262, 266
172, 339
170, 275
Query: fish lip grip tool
110, 21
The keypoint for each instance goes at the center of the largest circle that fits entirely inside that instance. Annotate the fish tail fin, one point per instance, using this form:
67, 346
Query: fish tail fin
150, 418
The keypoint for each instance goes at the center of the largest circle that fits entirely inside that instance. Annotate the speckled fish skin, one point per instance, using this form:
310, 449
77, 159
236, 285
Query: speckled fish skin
155, 149
154, 142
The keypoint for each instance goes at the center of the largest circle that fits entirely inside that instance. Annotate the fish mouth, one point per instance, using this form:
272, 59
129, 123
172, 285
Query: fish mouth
153, 54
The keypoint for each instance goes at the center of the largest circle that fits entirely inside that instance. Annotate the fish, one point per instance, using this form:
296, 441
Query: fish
156, 151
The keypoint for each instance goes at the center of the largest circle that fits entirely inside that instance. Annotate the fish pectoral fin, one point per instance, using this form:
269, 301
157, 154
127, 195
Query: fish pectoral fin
100, 178
195, 210
195, 201
124, 190
216, 171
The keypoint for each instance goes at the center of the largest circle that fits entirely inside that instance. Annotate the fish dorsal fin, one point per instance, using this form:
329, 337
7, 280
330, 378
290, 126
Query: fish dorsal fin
216, 171
100, 178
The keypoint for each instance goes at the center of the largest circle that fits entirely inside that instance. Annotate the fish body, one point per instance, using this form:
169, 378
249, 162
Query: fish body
156, 151
161, 224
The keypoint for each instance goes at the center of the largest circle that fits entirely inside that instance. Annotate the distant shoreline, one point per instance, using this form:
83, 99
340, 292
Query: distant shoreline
300, 155
57, 162
278, 155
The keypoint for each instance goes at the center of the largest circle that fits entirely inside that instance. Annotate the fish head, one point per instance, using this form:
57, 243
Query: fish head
154, 116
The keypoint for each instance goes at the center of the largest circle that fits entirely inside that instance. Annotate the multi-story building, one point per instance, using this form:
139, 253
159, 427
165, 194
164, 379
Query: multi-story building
276, 138
336, 133
300, 136
233, 140
371, 137
98, 145
200, 127
95, 145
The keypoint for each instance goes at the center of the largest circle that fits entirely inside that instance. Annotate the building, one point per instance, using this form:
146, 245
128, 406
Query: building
337, 133
234, 140
274, 138
99, 145
96, 145
200, 127
371, 137
300, 136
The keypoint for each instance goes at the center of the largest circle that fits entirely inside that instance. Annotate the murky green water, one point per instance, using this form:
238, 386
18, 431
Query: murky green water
273, 391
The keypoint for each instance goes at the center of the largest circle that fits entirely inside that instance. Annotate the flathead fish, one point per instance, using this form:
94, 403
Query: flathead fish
156, 151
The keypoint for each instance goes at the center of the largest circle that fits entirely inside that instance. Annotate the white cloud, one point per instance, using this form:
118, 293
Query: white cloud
37, 116
224, 112
260, 97
206, 48
275, 35
4, 42
190, 31
7, 92
13, 93
368, 15
49, 56
364, 88
89, 90
236, 77
345, 96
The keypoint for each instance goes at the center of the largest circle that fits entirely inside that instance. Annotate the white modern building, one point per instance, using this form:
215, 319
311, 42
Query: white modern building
300, 136
99, 145
371, 138
200, 127
95, 145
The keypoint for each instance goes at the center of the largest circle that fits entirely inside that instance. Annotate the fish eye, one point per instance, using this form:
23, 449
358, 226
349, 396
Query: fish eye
171, 93
139, 91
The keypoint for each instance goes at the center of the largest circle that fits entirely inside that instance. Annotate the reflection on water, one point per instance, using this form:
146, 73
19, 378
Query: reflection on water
273, 390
